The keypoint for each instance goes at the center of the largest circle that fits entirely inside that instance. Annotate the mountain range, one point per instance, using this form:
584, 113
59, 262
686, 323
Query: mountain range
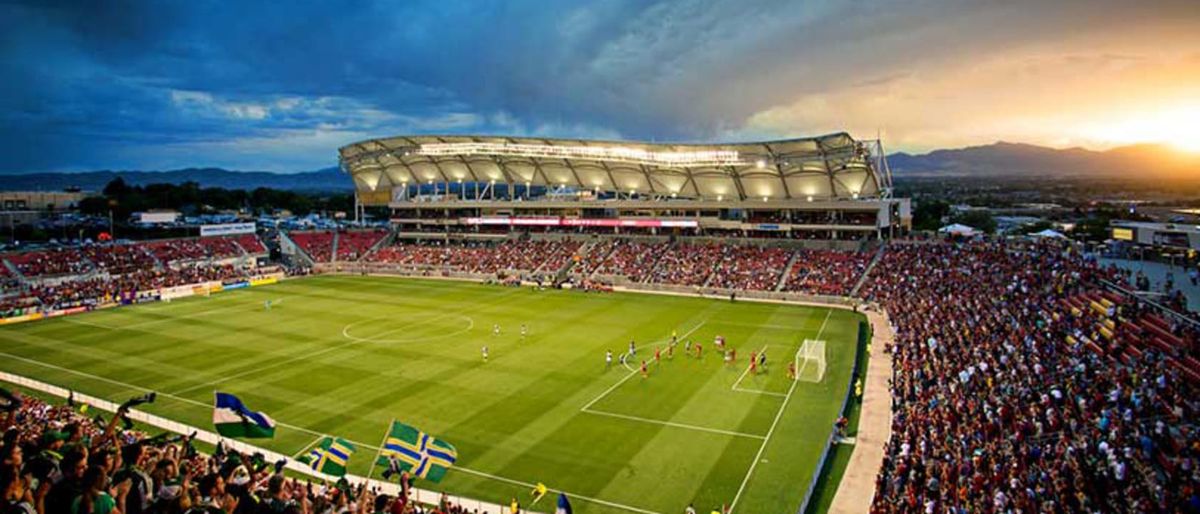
997, 160
1018, 160
326, 179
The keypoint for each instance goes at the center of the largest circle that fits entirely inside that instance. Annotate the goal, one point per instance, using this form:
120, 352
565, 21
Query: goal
810, 361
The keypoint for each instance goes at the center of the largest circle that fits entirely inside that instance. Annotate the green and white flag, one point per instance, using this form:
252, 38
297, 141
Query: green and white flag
233, 419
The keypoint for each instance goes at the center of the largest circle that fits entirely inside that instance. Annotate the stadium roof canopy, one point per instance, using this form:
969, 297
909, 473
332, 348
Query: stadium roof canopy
827, 167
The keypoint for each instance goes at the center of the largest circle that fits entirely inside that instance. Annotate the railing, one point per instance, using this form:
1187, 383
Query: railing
418, 495
863, 332
1162, 308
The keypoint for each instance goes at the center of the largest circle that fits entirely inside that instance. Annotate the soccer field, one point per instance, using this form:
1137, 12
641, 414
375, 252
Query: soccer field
344, 355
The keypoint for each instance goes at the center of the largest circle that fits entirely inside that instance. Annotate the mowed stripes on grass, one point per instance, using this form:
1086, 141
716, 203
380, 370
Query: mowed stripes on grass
344, 355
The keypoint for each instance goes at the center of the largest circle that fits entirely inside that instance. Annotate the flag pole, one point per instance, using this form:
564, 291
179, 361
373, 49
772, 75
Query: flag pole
379, 451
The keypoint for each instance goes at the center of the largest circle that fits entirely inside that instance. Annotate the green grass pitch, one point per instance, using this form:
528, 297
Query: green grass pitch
343, 355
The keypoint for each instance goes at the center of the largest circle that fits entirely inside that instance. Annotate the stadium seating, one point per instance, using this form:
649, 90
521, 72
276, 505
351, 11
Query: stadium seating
753, 268
1018, 386
250, 244
353, 244
686, 264
45, 263
826, 272
318, 245
631, 259
118, 259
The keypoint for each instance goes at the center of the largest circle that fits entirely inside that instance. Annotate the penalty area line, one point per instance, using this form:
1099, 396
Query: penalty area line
771, 430
675, 425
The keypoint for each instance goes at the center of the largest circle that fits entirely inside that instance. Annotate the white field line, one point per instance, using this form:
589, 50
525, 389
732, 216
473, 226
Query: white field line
572, 495
747, 370
73, 321
318, 434
676, 425
759, 391
634, 371
70, 319
307, 446
771, 431
351, 342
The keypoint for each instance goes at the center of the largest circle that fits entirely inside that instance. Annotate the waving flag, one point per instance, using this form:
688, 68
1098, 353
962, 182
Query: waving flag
330, 456
417, 452
233, 419
564, 506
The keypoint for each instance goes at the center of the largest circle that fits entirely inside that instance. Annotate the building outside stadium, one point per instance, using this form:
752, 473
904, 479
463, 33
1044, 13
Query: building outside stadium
830, 187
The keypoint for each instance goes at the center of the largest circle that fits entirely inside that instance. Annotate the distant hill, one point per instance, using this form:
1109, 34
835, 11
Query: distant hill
1019, 160
328, 179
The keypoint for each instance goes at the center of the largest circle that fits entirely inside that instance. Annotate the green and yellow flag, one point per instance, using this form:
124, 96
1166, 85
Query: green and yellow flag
330, 456
417, 452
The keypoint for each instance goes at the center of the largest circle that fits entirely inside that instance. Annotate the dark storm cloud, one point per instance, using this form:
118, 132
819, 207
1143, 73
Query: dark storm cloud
281, 85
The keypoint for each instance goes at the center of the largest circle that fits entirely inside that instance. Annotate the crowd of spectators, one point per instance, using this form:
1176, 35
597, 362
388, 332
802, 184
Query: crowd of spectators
353, 244
52, 262
481, 257
317, 244
513, 256
54, 459
1010, 394
826, 272
117, 258
688, 264
756, 268
169, 251
623, 257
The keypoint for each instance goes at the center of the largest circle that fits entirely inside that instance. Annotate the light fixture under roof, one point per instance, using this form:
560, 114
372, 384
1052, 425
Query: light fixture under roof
604, 153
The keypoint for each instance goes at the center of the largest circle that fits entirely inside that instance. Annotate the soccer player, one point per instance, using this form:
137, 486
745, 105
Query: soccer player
753, 364
608, 359
524, 330
762, 360
632, 348
485, 353
792, 370
699, 351
645, 372
687, 347
657, 355
719, 342
267, 305
733, 355
729, 357
671, 350
495, 329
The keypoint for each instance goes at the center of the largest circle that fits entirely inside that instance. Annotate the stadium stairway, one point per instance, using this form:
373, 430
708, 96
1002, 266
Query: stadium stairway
300, 251
381, 243
561, 274
867, 272
787, 271
12, 270
333, 257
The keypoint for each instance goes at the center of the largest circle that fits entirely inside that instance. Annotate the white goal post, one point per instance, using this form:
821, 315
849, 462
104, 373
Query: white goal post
810, 361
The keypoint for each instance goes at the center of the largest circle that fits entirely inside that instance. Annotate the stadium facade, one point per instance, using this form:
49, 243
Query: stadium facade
825, 187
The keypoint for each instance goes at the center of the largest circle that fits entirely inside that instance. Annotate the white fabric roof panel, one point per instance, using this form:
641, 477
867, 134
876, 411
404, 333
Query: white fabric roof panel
834, 166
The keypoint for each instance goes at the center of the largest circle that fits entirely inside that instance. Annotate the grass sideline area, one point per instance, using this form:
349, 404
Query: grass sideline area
343, 355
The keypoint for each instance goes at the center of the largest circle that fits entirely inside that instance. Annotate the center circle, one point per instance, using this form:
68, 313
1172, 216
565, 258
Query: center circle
403, 330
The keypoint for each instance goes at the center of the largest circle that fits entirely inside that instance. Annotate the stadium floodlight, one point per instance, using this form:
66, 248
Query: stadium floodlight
604, 153
810, 198
810, 361
760, 164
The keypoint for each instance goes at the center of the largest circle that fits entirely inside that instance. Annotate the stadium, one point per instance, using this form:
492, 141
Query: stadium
623, 326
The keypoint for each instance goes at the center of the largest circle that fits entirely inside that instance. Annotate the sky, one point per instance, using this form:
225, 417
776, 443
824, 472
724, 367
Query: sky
279, 86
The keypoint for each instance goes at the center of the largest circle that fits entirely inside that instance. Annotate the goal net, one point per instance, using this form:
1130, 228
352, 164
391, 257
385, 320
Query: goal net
810, 361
